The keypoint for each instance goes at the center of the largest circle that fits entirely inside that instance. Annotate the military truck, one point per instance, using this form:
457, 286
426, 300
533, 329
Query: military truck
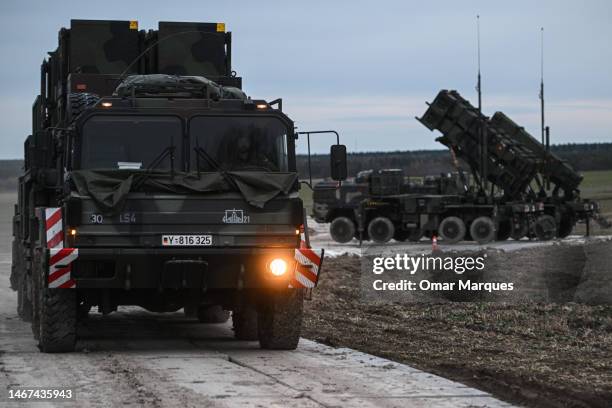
506, 195
516, 165
390, 208
348, 214
151, 179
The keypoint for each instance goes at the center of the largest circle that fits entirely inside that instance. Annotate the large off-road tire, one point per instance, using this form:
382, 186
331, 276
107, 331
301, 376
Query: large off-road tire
24, 303
279, 320
16, 266
452, 230
244, 323
482, 230
78, 102
381, 230
545, 227
212, 314
58, 320
36, 282
54, 312
20, 282
342, 229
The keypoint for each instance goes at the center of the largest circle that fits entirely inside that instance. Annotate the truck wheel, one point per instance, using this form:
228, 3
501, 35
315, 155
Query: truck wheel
452, 230
213, 314
279, 320
482, 230
545, 227
57, 315
35, 281
381, 230
78, 102
566, 226
244, 322
24, 304
342, 229
504, 230
16, 269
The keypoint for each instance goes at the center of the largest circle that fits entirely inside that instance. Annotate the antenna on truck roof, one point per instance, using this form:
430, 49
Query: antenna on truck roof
543, 127
478, 87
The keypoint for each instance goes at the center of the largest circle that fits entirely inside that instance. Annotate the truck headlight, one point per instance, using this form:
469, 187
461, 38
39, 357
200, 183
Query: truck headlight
278, 267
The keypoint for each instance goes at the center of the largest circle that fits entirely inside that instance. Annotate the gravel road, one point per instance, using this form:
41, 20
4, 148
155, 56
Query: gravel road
134, 358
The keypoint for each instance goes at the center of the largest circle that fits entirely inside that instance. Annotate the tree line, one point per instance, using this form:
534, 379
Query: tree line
418, 163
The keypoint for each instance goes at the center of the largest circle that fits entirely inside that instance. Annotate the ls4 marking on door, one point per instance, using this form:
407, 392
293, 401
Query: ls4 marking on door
127, 218
124, 218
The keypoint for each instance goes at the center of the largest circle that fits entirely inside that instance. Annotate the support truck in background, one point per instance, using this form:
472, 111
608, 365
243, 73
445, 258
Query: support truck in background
151, 179
516, 188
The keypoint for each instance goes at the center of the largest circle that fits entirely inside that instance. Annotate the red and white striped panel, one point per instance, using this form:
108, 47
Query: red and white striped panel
307, 267
60, 266
60, 258
54, 228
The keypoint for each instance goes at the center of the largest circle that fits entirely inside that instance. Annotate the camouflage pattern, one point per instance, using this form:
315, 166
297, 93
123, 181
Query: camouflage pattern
192, 86
192, 49
103, 47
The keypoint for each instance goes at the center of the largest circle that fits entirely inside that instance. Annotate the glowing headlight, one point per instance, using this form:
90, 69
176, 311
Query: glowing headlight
278, 267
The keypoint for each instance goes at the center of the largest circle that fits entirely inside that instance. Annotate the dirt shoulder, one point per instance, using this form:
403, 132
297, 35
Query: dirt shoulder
540, 355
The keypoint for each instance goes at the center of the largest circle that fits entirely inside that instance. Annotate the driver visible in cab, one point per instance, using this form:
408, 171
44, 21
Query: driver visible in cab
248, 157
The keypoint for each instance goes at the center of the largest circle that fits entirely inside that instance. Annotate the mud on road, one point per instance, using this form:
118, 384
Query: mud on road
538, 354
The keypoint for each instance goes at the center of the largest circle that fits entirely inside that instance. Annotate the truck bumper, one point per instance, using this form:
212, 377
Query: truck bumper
181, 268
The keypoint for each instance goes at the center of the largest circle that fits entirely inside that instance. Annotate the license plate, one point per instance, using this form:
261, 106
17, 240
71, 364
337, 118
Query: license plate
187, 240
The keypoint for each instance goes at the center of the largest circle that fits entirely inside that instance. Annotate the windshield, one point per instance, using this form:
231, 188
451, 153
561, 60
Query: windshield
129, 142
238, 143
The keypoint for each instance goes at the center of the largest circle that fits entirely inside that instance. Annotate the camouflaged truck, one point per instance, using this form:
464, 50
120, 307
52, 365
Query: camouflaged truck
517, 167
517, 188
348, 208
151, 179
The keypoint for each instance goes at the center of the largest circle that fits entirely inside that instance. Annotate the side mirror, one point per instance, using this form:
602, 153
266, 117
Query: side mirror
337, 157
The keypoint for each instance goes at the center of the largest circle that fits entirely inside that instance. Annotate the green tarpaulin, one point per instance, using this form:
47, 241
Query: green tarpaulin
109, 188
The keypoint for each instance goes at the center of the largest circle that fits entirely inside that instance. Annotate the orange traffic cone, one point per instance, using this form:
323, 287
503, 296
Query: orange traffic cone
434, 243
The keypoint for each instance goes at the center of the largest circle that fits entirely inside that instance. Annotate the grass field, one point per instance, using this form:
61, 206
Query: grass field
597, 185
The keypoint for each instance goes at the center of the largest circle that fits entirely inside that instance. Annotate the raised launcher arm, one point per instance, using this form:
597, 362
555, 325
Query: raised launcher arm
509, 165
561, 174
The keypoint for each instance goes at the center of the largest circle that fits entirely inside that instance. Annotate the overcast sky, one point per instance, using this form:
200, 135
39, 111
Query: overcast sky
362, 68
